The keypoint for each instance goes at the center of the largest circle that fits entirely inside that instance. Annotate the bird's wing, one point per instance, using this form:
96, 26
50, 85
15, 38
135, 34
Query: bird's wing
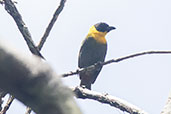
85, 53
91, 52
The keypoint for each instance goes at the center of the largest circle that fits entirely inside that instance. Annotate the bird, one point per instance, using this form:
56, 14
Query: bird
93, 50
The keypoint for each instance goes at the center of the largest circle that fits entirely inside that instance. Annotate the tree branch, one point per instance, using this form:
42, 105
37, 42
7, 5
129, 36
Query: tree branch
52, 22
167, 107
97, 65
2, 94
12, 10
107, 99
33, 82
8, 104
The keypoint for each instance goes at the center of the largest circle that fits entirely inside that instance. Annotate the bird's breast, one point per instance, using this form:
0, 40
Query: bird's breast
98, 37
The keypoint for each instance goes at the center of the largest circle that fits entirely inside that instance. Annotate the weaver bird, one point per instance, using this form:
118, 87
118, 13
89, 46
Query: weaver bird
93, 50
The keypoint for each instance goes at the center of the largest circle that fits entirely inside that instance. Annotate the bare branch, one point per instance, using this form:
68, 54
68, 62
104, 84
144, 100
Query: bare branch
167, 107
97, 65
33, 82
2, 94
6, 107
107, 99
12, 10
52, 22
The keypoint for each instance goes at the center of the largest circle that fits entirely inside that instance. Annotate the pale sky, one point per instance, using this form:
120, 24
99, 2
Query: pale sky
142, 25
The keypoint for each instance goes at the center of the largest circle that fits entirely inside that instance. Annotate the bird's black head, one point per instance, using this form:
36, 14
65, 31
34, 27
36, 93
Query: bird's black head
103, 27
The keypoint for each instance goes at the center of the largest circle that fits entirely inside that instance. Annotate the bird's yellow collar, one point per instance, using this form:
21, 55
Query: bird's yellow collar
98, 36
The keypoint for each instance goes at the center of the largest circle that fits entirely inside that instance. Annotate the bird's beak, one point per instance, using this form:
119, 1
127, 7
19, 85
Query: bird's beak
110, 28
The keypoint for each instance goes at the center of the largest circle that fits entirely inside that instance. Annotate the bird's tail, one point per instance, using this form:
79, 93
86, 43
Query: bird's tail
85, 84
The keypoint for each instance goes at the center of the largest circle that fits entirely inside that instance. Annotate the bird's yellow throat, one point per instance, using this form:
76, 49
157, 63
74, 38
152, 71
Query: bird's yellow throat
98, 36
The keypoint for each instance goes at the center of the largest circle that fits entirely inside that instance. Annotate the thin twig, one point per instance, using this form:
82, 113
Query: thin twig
28, 110
92, 67
12, 10
6, 107
167, 107
107, 99
52, 22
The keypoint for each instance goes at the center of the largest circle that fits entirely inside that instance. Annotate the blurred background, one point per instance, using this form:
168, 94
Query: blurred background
142, 25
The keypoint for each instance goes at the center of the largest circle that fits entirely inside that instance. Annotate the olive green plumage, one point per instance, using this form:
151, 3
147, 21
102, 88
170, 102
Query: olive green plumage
93, 50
